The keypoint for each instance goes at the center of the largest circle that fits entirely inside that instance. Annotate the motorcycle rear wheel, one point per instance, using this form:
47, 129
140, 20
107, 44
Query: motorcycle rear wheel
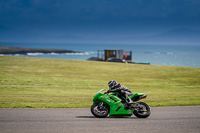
100, 111
143, 112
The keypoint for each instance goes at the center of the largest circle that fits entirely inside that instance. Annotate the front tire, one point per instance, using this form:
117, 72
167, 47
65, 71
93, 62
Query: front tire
100, 110
142, 112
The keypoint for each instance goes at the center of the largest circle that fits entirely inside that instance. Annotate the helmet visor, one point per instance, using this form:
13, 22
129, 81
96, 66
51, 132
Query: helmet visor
111, 86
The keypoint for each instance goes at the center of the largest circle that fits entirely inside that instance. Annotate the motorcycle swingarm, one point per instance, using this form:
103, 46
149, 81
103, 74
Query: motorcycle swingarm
136, 106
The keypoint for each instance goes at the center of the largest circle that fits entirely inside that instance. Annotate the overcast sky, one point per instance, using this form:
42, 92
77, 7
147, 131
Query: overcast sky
101, 21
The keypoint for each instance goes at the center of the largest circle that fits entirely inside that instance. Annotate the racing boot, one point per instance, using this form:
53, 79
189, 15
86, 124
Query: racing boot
129, 100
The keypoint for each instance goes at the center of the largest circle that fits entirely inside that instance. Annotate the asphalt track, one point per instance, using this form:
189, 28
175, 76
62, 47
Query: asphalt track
162, 120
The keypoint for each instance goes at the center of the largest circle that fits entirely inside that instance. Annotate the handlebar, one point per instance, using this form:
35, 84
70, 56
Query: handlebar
106, 93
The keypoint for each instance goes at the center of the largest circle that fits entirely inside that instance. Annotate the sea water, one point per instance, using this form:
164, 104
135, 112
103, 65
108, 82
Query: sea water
168, 55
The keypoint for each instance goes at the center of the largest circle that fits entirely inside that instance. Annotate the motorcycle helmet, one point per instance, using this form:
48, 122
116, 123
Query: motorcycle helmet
112, 84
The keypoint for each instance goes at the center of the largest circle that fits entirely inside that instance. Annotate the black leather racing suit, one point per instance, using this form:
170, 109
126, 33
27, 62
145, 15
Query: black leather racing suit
123, 91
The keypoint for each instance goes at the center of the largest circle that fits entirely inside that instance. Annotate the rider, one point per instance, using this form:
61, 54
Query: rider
124, 91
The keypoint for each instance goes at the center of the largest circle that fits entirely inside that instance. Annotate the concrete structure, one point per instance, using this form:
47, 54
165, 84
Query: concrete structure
119, 54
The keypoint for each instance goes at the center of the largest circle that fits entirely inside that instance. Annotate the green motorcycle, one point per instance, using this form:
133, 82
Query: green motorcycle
116, 105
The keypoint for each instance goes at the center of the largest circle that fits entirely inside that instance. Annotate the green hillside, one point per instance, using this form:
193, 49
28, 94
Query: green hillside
18, 50
39, 82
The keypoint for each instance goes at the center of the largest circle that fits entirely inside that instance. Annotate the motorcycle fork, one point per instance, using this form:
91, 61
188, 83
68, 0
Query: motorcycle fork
100, 106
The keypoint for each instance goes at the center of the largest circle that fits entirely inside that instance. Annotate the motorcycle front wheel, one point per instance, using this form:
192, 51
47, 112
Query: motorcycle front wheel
100, 110
143, 112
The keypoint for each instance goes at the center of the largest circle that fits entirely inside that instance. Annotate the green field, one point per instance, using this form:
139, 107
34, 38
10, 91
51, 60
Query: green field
56, 83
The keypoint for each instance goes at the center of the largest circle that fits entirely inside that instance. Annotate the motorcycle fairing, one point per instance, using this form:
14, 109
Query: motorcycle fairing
114, 103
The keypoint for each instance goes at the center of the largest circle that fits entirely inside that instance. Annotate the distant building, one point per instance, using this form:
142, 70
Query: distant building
112, 55
117, 54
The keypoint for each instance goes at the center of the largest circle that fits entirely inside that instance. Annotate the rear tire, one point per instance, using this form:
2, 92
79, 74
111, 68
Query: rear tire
100, 111
143, 112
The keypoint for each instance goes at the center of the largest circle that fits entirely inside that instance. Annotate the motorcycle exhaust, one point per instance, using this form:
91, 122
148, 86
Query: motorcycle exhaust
136, 106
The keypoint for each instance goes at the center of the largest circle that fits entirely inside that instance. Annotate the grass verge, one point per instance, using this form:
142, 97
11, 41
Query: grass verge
55, 83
